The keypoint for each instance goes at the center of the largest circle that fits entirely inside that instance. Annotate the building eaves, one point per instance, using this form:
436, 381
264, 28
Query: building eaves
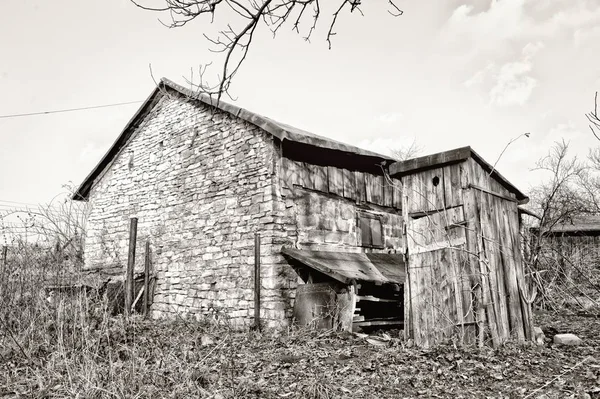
402, 168
277, 129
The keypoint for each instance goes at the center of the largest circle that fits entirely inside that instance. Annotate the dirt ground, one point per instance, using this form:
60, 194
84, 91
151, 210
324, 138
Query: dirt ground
149, 359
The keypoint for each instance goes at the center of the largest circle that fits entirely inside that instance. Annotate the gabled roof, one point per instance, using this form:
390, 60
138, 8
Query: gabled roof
277, 129
457, 155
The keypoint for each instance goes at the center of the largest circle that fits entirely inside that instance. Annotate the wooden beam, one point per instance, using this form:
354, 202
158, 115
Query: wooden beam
375, 299
257, 281
146, 287
495, 194
401, 168
130, 266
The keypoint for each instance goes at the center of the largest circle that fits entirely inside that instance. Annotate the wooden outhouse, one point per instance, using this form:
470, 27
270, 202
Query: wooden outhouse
464, 272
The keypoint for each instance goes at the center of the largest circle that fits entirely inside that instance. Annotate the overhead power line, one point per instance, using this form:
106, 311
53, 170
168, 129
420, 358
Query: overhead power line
18, 202
67, 110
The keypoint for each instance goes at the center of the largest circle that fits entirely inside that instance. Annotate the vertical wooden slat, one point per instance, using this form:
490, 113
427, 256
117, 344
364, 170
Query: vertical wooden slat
485, 272
397, 194
472, 266
361, 191
493, 209
452, 185
512, 290
257, 281
336, 180
147, 279
129, 283
388, 192
426, 191
408, 303
349, 184
511, 214
374, 185
490, 252
305, 175
320, 178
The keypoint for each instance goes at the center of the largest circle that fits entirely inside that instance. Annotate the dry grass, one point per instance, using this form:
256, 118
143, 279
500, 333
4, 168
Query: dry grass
68, 345
71, 347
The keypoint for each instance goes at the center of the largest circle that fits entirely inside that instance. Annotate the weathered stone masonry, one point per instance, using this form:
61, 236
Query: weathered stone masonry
202, 181
200, 184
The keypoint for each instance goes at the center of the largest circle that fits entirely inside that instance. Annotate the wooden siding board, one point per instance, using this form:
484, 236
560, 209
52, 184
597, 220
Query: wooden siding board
320, 178
349, 184
472, 266
493, 241
452, 185
431, 232
481, 178
432, 242
307, 175
397, 194
361, 190
487, 266
508, 263
335, 180
423, 195
388, 192
511, 215
374, 186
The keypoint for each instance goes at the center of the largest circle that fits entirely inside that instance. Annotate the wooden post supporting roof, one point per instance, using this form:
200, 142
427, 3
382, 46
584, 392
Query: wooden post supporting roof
129, 283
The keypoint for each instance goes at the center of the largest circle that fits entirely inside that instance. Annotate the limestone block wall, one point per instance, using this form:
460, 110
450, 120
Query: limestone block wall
323, 206
200, 185
328, 223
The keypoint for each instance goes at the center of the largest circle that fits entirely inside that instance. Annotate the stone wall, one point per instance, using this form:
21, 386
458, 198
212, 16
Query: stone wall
329, 223
201, 185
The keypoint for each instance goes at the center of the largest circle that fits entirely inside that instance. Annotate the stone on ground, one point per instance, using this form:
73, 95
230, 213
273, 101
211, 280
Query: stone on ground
567, 339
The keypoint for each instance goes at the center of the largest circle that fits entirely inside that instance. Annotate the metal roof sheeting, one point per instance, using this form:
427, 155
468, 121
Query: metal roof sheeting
277, 129
347, 267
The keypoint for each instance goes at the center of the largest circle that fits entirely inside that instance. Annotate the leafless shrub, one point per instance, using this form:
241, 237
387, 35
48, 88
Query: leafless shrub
407, 152
563, 267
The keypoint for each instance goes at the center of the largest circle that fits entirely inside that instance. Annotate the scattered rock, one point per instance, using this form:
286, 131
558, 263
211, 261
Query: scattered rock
540, 338
206, 340
376, 341
567, 339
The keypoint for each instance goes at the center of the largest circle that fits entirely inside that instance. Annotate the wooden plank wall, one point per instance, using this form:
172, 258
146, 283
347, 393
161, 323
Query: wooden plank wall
355, 185
464, 269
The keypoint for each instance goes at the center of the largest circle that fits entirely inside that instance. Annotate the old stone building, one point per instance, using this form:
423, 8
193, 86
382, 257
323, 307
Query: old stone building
347, 238
203, 178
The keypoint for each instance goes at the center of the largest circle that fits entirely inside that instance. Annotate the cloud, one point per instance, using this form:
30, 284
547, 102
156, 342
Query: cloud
513, 85
517, 20
510, 83
390, 117
91, 153
480, 76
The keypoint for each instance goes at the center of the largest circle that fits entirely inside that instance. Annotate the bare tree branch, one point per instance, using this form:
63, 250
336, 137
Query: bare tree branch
235, 40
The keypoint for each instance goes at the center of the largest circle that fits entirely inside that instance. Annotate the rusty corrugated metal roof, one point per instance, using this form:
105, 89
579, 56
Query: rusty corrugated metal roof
347, 267
280, 130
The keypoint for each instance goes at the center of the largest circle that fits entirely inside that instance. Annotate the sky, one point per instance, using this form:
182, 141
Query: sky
445, 74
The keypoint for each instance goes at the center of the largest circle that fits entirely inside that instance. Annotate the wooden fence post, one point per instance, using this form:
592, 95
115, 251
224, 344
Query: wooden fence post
257, 281
147, 279
129, 283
